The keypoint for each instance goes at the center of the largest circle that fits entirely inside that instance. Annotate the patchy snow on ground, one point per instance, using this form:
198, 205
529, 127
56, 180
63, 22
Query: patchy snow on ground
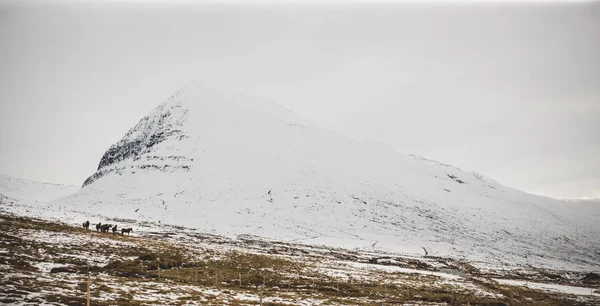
320, 275
400, 270
549, 287
70, 240
47, 266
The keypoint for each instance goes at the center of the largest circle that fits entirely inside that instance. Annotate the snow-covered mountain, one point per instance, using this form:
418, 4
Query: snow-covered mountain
231, 163
21, 189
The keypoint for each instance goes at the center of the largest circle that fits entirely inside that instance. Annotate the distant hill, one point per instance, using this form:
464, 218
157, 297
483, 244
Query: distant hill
22, 189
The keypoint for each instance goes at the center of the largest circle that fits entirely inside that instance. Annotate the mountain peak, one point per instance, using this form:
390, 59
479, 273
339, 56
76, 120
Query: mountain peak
196, 115
238, 164
191, 87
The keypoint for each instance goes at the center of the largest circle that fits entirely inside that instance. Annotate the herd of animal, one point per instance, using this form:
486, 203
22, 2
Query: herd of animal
105, 228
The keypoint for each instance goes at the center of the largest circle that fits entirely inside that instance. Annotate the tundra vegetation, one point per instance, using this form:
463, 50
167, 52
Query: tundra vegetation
52, 263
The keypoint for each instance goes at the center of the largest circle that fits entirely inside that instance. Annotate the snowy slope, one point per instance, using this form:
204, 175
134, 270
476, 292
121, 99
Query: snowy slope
588, 201
207, 159
21, 189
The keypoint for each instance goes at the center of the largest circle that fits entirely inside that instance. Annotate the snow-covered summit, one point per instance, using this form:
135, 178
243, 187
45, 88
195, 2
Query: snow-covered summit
223, 115
231, 163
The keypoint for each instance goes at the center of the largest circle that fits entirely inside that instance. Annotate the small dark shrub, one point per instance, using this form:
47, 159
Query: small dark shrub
62, 270
148, 257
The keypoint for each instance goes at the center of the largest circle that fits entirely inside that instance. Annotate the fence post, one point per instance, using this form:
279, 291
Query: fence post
88, 287
262, 288
240, 274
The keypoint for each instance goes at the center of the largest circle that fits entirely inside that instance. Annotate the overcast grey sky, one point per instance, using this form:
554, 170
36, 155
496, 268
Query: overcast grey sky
511, 91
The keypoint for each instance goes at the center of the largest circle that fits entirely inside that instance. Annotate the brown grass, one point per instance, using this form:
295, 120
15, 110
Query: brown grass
160, 262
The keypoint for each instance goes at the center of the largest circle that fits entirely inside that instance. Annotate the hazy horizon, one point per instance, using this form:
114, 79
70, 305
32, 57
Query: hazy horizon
509, 91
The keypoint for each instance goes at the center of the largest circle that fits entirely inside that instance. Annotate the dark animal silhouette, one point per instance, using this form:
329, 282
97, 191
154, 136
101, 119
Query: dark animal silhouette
98, 226
114, 229
86, 224
126, 230
104, 228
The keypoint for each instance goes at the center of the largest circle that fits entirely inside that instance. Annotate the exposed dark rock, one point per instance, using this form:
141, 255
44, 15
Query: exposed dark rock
149, 132
148, 257
455, 178
62, 270
591, 278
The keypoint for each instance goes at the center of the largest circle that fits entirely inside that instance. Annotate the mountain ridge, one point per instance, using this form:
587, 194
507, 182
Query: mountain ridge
231, 163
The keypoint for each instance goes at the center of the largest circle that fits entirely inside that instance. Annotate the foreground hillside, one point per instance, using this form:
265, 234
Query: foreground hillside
230, 164
51, 263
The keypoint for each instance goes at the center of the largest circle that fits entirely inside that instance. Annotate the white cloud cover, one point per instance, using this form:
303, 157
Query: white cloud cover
507, 90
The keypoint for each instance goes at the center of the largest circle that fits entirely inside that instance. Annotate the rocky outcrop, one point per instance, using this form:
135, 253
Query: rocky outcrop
151, 130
